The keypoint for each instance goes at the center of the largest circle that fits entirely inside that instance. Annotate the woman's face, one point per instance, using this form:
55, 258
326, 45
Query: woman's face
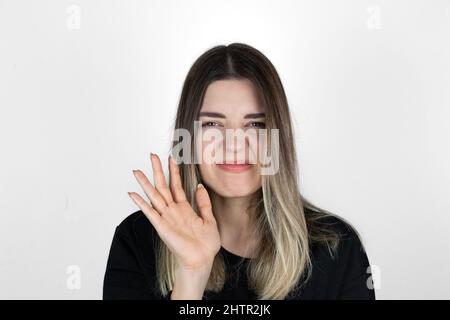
230, 115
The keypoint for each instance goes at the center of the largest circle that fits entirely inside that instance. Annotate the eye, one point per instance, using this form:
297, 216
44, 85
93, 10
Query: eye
257, 124
210, 124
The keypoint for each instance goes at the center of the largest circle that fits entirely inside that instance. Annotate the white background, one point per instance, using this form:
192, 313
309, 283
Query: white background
81, 105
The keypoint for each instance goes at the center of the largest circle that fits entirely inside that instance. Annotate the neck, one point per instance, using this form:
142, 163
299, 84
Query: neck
236, 224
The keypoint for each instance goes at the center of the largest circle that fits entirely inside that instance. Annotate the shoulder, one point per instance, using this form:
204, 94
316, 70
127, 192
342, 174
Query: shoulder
347, 268
136, 219
344, 247
130, 271
327, 225
140, 236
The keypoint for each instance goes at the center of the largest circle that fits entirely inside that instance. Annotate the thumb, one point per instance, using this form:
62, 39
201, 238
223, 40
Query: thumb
204, 203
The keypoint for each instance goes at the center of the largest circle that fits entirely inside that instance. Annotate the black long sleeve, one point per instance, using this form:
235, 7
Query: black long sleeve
131, 267
125, 277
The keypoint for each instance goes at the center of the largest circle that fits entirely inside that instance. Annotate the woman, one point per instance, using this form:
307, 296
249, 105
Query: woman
222, 229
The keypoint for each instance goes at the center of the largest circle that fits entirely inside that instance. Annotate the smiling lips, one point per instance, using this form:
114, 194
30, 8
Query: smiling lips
235, 167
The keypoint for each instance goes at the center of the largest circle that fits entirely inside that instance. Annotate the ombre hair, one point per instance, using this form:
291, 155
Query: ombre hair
286, 222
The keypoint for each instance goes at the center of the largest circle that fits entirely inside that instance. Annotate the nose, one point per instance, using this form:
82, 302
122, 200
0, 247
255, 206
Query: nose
235, 145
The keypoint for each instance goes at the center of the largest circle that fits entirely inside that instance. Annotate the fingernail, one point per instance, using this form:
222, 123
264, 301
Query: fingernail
135, 171
129, 193
200, 186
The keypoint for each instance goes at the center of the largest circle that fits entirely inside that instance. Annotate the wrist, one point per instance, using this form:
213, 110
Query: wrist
190, 284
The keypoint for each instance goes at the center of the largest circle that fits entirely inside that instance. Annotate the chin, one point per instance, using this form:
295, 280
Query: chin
235, 193
234, 188
231, 185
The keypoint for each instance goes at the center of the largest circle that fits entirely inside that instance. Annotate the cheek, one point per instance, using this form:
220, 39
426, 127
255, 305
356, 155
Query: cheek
206, 172
209, 148
253, 148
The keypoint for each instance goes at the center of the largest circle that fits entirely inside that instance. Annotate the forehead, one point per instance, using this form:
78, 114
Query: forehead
232, 97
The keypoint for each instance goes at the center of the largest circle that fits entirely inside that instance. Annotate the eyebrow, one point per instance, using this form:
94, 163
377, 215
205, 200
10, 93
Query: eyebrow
221, 115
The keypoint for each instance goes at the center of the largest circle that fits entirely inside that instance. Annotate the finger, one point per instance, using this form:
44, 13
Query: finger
149, 212
204, 203
175, 181
160, 179
155, 198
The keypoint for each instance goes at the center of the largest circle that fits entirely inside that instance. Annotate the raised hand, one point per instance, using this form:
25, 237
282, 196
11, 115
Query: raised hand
193, 239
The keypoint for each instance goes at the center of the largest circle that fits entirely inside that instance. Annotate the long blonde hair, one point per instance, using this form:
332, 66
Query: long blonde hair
286, 222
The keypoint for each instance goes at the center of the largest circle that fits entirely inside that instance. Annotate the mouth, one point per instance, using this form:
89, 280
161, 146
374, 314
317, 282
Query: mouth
234, 167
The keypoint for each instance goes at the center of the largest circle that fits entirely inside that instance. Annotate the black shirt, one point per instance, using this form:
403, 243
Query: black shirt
131, 269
